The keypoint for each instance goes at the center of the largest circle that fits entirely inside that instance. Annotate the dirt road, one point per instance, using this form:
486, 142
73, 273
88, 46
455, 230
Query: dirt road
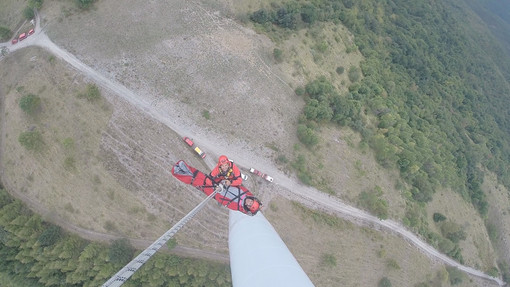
307, 195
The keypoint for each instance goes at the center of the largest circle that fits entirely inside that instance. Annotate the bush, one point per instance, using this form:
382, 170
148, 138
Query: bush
30, 104
384, 282
260, 16
278, 55
31, 140
91, 94
84, 4
438, 217
354, 74
37, 4
206, 114
307, 136
328, 260
300, 91
5, 33
374, 203
340, 70
28, 13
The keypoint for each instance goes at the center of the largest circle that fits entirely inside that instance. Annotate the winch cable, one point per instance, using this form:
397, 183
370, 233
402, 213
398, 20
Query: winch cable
128, 270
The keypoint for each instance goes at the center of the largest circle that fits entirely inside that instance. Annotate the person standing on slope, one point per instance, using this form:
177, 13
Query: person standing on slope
227, 172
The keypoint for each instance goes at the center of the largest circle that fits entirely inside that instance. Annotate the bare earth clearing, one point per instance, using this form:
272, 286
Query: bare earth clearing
160, 68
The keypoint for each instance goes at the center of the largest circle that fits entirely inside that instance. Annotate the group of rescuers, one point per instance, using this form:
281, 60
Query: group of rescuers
236, 196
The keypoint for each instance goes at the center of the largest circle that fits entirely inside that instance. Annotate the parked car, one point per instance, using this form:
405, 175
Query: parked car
261, 174
22, 36
188, 141
14, 41
200, 152
30, 32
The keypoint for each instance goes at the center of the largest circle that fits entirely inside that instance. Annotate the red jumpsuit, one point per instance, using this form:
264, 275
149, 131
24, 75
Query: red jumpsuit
233, 174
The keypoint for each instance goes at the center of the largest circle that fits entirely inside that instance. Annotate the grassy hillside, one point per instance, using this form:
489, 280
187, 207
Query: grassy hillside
403, 83
431, 98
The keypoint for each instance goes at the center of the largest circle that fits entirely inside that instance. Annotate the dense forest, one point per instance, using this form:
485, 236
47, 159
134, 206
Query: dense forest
440, 99
432, 96
37, 253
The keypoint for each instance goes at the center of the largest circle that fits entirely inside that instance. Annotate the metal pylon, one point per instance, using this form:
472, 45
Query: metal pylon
128, 270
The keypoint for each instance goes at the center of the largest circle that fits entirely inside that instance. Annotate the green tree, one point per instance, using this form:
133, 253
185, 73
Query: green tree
50, 235
121, 251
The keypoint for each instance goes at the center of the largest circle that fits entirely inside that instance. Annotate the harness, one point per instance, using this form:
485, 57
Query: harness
229, 174
239, 196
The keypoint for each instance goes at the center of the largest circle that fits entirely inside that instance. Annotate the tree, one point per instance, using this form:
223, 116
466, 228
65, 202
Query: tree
121, 251
50, 235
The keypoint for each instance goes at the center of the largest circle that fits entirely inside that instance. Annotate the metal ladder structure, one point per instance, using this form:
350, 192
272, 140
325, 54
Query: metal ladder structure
128, 270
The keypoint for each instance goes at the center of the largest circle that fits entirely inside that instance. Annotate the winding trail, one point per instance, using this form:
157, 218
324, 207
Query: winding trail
298, 191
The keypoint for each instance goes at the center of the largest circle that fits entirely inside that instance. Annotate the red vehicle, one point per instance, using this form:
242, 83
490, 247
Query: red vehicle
31, 32
22, 37
14, 41
188, 141
263, 175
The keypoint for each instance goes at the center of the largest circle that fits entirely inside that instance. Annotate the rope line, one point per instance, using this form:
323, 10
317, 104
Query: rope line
128, 270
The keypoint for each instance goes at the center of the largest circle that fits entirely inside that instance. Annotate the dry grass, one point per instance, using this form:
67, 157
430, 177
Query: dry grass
195, 59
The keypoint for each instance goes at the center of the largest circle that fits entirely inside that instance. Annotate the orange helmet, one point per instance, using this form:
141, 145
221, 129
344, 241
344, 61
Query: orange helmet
223, 159
254, 208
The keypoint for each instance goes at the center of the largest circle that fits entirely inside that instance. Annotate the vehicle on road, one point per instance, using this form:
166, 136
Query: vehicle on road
200, 152
31, 32
14, 41
188, 141
22, 36
261, 174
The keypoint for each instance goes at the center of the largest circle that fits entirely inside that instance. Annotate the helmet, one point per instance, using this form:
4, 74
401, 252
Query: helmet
254, 207
223, 159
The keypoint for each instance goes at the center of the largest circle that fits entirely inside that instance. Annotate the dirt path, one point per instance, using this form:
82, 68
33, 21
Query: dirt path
295, 191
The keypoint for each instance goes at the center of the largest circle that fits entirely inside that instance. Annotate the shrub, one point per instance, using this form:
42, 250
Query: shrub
354, 74
260, 16
438, 217
384, 282
28, 13
31, 140
278, 55
328, 260
206, 114
85, 4
30, 104
374, 203
37, 4
91, 94
340, 70
307, 136
300, 91
5, 33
